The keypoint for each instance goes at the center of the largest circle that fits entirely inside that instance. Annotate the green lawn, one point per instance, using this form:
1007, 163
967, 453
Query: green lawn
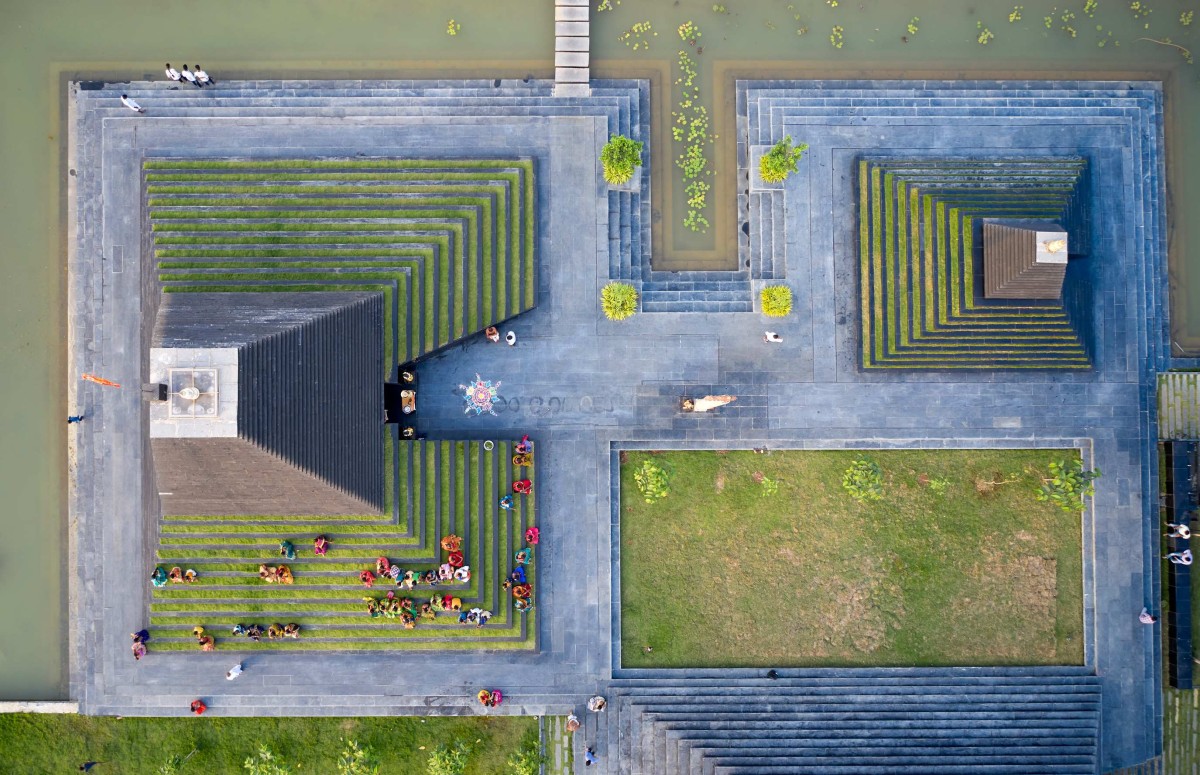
44, 744
720, 574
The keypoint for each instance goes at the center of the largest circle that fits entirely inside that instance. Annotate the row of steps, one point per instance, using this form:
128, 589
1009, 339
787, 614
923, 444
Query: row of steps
572, 47
452, 241
624, 104
769, 109
446, 487
920, 264
826, 722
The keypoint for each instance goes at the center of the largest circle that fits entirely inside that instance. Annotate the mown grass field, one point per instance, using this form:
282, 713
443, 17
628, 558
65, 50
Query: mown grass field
33, 744
945, 570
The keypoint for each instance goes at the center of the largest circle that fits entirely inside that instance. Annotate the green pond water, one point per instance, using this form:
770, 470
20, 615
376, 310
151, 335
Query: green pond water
45, 43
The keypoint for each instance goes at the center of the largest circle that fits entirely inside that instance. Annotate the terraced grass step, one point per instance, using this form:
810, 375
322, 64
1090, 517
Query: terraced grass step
449, 486
921, 301
454, 239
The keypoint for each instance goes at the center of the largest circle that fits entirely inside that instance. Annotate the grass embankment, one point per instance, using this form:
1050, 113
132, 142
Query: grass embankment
937, 573
33, 744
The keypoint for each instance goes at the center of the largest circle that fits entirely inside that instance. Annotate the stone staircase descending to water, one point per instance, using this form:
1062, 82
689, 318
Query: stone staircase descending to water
838, 721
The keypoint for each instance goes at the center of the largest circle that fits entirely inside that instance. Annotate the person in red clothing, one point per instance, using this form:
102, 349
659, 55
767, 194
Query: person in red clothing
198, 707
522, 486
367, 578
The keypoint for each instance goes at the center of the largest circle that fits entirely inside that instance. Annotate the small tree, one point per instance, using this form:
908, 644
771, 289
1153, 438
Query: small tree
1068, 484
619, 300
448, 760
653, 482
265, 763
776, 301
620, 157
782, 160
357, 761
863, 480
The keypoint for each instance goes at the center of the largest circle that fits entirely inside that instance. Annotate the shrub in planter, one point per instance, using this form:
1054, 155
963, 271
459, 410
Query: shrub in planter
620, 156
619, 300
782, 160
776, 301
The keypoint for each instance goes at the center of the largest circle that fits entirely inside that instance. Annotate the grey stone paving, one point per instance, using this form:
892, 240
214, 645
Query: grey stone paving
582, 387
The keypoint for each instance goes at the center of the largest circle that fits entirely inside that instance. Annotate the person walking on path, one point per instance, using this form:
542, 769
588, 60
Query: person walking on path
1145, 617
74, 418
511, 338
1179, 531
234, 672
597, 704
589, 757
202, 78
772, 337
172, 73
131, 104
1181, 558
189, 76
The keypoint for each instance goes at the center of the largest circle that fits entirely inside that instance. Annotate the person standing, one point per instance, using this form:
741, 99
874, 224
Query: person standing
1145, 617
1181, 558
1179, 531
131, 104
234, 672
589, 757
202, 78
511, 338
189, 76
772, 337
172, 73
74, 418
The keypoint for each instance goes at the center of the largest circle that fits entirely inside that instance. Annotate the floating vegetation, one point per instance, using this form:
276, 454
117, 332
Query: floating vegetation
1015, 16
912, 25
1141, 11
837, 36
717, 8
692, 129
689, 33
605, 5
1185, 18
831, 3
1089, 8
985, 35
637, 36
453, 27
1066, 18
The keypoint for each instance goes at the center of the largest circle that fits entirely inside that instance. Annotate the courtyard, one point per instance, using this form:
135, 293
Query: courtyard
306, 232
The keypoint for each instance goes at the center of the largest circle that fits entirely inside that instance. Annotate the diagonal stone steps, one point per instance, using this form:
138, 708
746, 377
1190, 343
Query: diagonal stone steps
827, 721
447, 487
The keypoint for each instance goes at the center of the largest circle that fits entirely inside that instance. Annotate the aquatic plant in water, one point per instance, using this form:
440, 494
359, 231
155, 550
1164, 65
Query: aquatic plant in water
689, 33
985, 35
912, 25
637, 36
1185, 18
692, 129
837, 36
452, 27
1015, 16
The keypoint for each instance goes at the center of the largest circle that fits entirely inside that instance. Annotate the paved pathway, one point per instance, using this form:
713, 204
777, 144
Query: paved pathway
579, 385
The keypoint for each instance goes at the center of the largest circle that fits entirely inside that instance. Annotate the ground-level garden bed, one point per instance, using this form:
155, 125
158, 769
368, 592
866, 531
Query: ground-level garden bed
37, 744
767, 560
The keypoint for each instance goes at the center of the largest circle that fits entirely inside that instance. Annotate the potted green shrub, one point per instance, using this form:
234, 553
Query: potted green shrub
776, 301
782, 160
619, 300
620, 157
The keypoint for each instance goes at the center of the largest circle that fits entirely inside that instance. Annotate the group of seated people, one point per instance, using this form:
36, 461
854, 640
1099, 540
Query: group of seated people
518, 583
407, 610
139, 643
275, 575
160, 577
490, 699
449, 571
274, 632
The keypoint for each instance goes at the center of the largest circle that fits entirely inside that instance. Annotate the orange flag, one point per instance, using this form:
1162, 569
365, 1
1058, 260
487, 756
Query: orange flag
99, 380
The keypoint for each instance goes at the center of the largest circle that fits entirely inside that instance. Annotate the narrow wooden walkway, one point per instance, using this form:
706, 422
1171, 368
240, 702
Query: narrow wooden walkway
572, 44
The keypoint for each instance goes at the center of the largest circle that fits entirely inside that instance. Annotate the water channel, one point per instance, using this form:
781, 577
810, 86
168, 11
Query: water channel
43, 44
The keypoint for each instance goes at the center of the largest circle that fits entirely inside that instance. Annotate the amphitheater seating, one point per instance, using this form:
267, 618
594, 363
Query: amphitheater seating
920, 277
450, 243
445, 487
449, 240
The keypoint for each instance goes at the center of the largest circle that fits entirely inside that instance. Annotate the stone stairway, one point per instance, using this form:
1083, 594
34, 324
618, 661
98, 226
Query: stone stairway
1021, 721
768, 110
572, 46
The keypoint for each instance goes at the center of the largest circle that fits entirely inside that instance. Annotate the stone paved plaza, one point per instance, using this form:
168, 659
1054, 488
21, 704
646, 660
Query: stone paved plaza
585, 387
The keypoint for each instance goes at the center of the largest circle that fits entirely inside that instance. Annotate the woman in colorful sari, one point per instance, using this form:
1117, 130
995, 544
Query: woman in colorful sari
159, 577
523, 556
451, 543
320, 546
532, 535
287, 549
463, 573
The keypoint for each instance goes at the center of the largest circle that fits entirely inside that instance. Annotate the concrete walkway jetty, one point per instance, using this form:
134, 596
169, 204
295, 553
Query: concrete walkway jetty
572, 45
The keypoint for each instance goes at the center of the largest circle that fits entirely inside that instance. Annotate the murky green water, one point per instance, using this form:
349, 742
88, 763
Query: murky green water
43, 43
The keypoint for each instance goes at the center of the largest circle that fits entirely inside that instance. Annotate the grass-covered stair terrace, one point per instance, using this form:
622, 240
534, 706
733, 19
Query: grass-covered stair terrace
446, 487
451, 245
449, 241
920, 263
